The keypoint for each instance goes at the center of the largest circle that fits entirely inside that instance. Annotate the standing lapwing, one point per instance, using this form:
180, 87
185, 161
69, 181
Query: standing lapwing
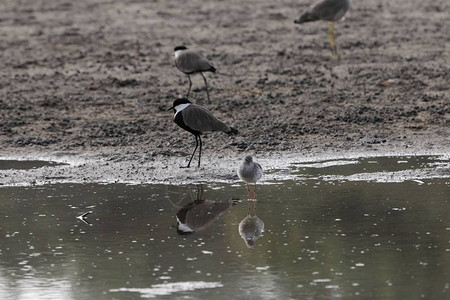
196, 119
250, 172
190, 62
327, 10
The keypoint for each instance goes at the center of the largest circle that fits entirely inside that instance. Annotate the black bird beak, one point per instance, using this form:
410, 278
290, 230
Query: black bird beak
172, 108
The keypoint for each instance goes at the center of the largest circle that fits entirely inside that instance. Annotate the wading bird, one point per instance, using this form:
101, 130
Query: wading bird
250, 172
197, 120
190, 62
327, 10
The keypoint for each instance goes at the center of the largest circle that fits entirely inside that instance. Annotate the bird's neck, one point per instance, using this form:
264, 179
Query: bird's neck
177, 53
180, 107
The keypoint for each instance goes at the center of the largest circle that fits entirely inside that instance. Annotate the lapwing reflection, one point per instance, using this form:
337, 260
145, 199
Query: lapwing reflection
200, 213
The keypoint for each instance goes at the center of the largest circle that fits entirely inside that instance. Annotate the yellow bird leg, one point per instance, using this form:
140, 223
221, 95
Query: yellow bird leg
331, 38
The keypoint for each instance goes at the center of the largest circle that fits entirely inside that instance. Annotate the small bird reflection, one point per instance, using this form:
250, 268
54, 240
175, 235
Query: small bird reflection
250, 229
83, 217
200, 213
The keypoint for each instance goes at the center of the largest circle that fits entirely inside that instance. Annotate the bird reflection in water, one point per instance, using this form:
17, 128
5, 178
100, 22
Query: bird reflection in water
200, 213
250, 229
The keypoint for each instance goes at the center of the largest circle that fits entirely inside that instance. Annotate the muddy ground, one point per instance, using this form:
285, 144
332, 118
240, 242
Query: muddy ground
94, 78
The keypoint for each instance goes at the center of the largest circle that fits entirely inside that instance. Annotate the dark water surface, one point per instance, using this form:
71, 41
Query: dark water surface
321, 240
26, 164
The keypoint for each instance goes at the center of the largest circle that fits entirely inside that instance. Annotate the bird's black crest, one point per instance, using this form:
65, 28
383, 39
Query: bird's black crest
179, 48
180, 101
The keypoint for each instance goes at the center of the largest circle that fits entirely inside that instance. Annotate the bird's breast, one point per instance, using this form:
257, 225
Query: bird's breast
178, 119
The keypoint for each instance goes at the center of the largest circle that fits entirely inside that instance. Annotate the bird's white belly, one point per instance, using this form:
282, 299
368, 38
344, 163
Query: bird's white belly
250, 175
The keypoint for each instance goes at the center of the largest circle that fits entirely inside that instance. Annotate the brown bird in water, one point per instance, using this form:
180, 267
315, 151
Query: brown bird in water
327, 10
250, 172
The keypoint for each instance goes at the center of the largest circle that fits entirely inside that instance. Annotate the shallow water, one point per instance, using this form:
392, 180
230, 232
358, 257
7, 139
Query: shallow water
26, 164
321, 240
368, 165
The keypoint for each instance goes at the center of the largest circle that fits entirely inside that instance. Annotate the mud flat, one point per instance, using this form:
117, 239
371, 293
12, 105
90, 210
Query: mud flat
138, 169
89, 82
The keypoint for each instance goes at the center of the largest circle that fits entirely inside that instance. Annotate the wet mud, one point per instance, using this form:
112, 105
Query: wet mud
91, 80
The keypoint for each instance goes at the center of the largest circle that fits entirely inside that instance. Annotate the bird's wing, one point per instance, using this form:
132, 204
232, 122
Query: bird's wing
330, 10
259, 166
191, 61
200, 119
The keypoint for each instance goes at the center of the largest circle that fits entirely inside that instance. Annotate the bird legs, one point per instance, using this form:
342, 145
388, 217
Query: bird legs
190, 85
249, 199
200, 153
332, 40
206, 86
197, 139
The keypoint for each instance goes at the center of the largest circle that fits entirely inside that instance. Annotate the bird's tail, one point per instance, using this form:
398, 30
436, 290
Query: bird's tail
306, 17
232, 131
212, 69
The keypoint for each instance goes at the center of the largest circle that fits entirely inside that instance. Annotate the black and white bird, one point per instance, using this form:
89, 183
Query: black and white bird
327, 10
191, 62
197, 120
250, 172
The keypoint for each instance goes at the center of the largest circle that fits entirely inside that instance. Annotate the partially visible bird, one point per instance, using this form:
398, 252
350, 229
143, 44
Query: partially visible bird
197, 120
83, 217
250, 229
327, 10
191, 62
250, 172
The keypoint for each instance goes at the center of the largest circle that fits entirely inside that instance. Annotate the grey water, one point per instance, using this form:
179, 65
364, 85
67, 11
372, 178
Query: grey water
317, 239
26, 164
